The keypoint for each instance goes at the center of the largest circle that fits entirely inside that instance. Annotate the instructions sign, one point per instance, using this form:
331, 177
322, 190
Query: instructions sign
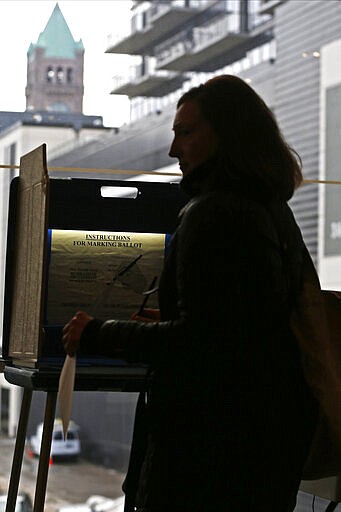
102, 273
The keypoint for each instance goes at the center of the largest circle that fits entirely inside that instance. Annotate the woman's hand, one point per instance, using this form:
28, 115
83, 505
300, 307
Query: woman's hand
148, 315
72, 331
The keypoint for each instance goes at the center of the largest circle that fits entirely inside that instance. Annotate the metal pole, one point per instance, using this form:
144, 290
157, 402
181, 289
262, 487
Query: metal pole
18, 451
45, 449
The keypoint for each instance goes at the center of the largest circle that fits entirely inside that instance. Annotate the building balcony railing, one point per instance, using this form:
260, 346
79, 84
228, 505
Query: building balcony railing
268, 6
153, 84
160, 12
160, 21
191, 49
220, 42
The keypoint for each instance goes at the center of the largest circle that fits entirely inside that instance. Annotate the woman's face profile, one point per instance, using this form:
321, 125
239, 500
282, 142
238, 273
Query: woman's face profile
194, 138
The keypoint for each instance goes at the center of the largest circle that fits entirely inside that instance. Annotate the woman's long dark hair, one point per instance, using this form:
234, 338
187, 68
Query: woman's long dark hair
252, 149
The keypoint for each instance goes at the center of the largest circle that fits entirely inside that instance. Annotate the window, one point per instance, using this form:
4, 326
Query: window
58, 106
60, 75
49, 74
69, 75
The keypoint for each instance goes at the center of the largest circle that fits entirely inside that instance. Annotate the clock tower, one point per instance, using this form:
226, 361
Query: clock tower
55, 69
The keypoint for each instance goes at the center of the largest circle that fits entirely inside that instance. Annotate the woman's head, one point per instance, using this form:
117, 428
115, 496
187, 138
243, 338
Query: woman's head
234, 124
195, 139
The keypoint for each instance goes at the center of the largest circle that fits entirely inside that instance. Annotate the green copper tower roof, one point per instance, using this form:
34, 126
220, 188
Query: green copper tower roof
56, 38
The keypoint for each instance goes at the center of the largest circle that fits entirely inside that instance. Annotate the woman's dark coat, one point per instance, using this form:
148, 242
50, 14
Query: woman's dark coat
229, 419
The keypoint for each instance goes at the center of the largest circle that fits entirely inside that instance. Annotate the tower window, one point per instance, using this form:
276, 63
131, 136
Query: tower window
49, 74
69, 75
60, 75
59, 106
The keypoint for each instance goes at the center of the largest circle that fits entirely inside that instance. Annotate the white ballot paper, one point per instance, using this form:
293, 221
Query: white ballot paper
65, 391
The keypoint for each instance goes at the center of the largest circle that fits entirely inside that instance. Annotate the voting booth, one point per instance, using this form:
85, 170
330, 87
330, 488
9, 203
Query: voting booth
90, 244
75, 243
80, 244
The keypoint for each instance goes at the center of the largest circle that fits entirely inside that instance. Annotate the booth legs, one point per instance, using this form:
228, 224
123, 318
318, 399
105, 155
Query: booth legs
45, 449
18, 451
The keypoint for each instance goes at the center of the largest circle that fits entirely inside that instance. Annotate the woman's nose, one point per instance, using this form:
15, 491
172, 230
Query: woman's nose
172, 150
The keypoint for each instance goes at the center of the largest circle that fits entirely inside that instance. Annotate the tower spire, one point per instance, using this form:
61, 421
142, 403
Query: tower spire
55, 68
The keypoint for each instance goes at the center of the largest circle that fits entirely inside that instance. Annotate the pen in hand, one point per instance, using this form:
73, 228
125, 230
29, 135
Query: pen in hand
147, 295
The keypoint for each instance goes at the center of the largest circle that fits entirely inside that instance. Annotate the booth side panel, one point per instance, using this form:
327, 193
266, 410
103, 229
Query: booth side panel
28, 275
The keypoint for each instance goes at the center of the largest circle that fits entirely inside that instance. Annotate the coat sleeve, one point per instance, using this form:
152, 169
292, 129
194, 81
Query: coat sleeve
219, 253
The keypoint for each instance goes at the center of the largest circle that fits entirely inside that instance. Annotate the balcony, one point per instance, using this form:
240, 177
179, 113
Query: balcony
160, 21
269, 6
155, 84
192, 49
211, 46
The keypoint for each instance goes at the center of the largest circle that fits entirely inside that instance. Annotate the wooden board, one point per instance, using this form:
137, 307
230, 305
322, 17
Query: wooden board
29, 265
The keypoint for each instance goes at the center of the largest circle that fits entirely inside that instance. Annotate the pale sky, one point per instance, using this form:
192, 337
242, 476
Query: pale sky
89, 20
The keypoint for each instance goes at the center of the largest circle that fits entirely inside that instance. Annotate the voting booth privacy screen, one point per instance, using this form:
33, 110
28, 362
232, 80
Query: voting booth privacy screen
102, 245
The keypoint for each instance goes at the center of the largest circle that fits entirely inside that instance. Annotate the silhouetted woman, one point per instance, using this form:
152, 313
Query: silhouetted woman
229, 418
